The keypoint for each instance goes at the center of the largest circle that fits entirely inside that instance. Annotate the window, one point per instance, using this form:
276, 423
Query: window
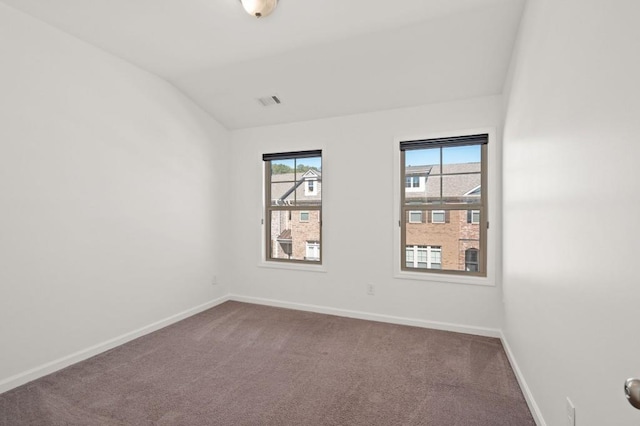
451, 174
473, 216
415, 216
312, 250
412, 182
438, 216
310, 186
293, 213
423, 257
471, 260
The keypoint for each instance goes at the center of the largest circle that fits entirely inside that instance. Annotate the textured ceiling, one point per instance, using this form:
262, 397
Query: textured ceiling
322, 58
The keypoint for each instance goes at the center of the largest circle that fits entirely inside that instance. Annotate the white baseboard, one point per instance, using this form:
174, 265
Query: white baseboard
468, 329
528, 396
58, 364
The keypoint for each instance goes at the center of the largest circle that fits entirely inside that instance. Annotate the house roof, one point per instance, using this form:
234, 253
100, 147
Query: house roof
289, 188
458, 181
285, 235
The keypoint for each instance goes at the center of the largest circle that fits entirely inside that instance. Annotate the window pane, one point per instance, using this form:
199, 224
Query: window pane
422, 157
461, 159
304, 216
305, 164
283, 170
289, 236
409, 255
438, 216
444, 245
415, 216
461, 188
283, 194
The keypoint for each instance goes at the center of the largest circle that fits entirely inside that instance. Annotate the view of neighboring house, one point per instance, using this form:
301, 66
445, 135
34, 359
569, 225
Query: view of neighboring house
295, 231
435, 238
442, 239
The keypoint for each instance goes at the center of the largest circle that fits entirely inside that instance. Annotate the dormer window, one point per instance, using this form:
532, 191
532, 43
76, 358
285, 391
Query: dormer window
412, 182
311, 187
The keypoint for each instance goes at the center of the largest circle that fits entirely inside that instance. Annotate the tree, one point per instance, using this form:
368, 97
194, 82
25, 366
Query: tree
278, 169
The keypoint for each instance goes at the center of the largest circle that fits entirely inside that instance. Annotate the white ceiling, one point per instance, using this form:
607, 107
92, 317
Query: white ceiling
323, 58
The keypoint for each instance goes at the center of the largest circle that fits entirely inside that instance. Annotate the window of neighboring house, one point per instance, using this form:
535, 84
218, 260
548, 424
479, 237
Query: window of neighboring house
453, 172
415, 216
438, 216
312, 250
471, 260
423, 257
412, 182
473, 216
310, 187
288, 210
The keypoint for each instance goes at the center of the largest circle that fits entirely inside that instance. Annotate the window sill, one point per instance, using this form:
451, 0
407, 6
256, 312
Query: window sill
292, 266
443, 278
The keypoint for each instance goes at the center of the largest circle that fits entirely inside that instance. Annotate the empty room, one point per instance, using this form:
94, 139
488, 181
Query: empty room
337, 212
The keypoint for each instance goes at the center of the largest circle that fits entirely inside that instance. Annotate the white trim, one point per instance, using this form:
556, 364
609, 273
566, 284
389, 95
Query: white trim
472, 213
274, 264
60, 363
436, 325
528, 396
413, 212
442, 212
439, 277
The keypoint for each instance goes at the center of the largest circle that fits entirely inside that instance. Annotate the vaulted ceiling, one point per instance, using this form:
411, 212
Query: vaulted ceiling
322, 58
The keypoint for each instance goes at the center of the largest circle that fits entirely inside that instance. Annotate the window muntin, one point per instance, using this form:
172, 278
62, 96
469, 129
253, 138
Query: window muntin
412, 182
423, 257
293, 206
453, 199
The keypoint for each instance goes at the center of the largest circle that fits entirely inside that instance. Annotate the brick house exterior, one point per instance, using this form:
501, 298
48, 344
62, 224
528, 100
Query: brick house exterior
449, 238
295, 234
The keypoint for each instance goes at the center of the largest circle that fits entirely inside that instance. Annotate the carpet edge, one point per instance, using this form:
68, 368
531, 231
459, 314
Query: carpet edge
528, 395
436, 325
83, 354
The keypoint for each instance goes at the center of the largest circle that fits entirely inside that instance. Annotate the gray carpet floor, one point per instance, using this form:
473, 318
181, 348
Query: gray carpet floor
244, 364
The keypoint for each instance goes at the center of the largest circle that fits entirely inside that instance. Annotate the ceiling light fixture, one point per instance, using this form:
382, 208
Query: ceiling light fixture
259, 8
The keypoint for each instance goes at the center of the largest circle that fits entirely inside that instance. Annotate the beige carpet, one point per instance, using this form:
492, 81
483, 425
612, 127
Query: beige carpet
243, 364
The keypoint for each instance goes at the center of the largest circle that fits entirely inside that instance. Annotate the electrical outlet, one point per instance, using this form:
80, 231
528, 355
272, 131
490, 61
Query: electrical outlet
571, 413
371, 290
214, 280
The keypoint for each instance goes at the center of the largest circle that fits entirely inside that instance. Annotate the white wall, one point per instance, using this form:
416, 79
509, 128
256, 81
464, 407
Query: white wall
571, 190
110, 197
359, 216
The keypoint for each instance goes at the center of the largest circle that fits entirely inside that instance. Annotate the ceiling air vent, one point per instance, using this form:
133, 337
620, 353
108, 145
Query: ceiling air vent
269, 100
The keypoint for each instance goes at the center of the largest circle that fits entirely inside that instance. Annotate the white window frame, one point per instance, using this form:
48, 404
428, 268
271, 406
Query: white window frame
308, 216
493, 176
311, 182
412, 212
442, 212
428, 250
312, 245
473, 213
